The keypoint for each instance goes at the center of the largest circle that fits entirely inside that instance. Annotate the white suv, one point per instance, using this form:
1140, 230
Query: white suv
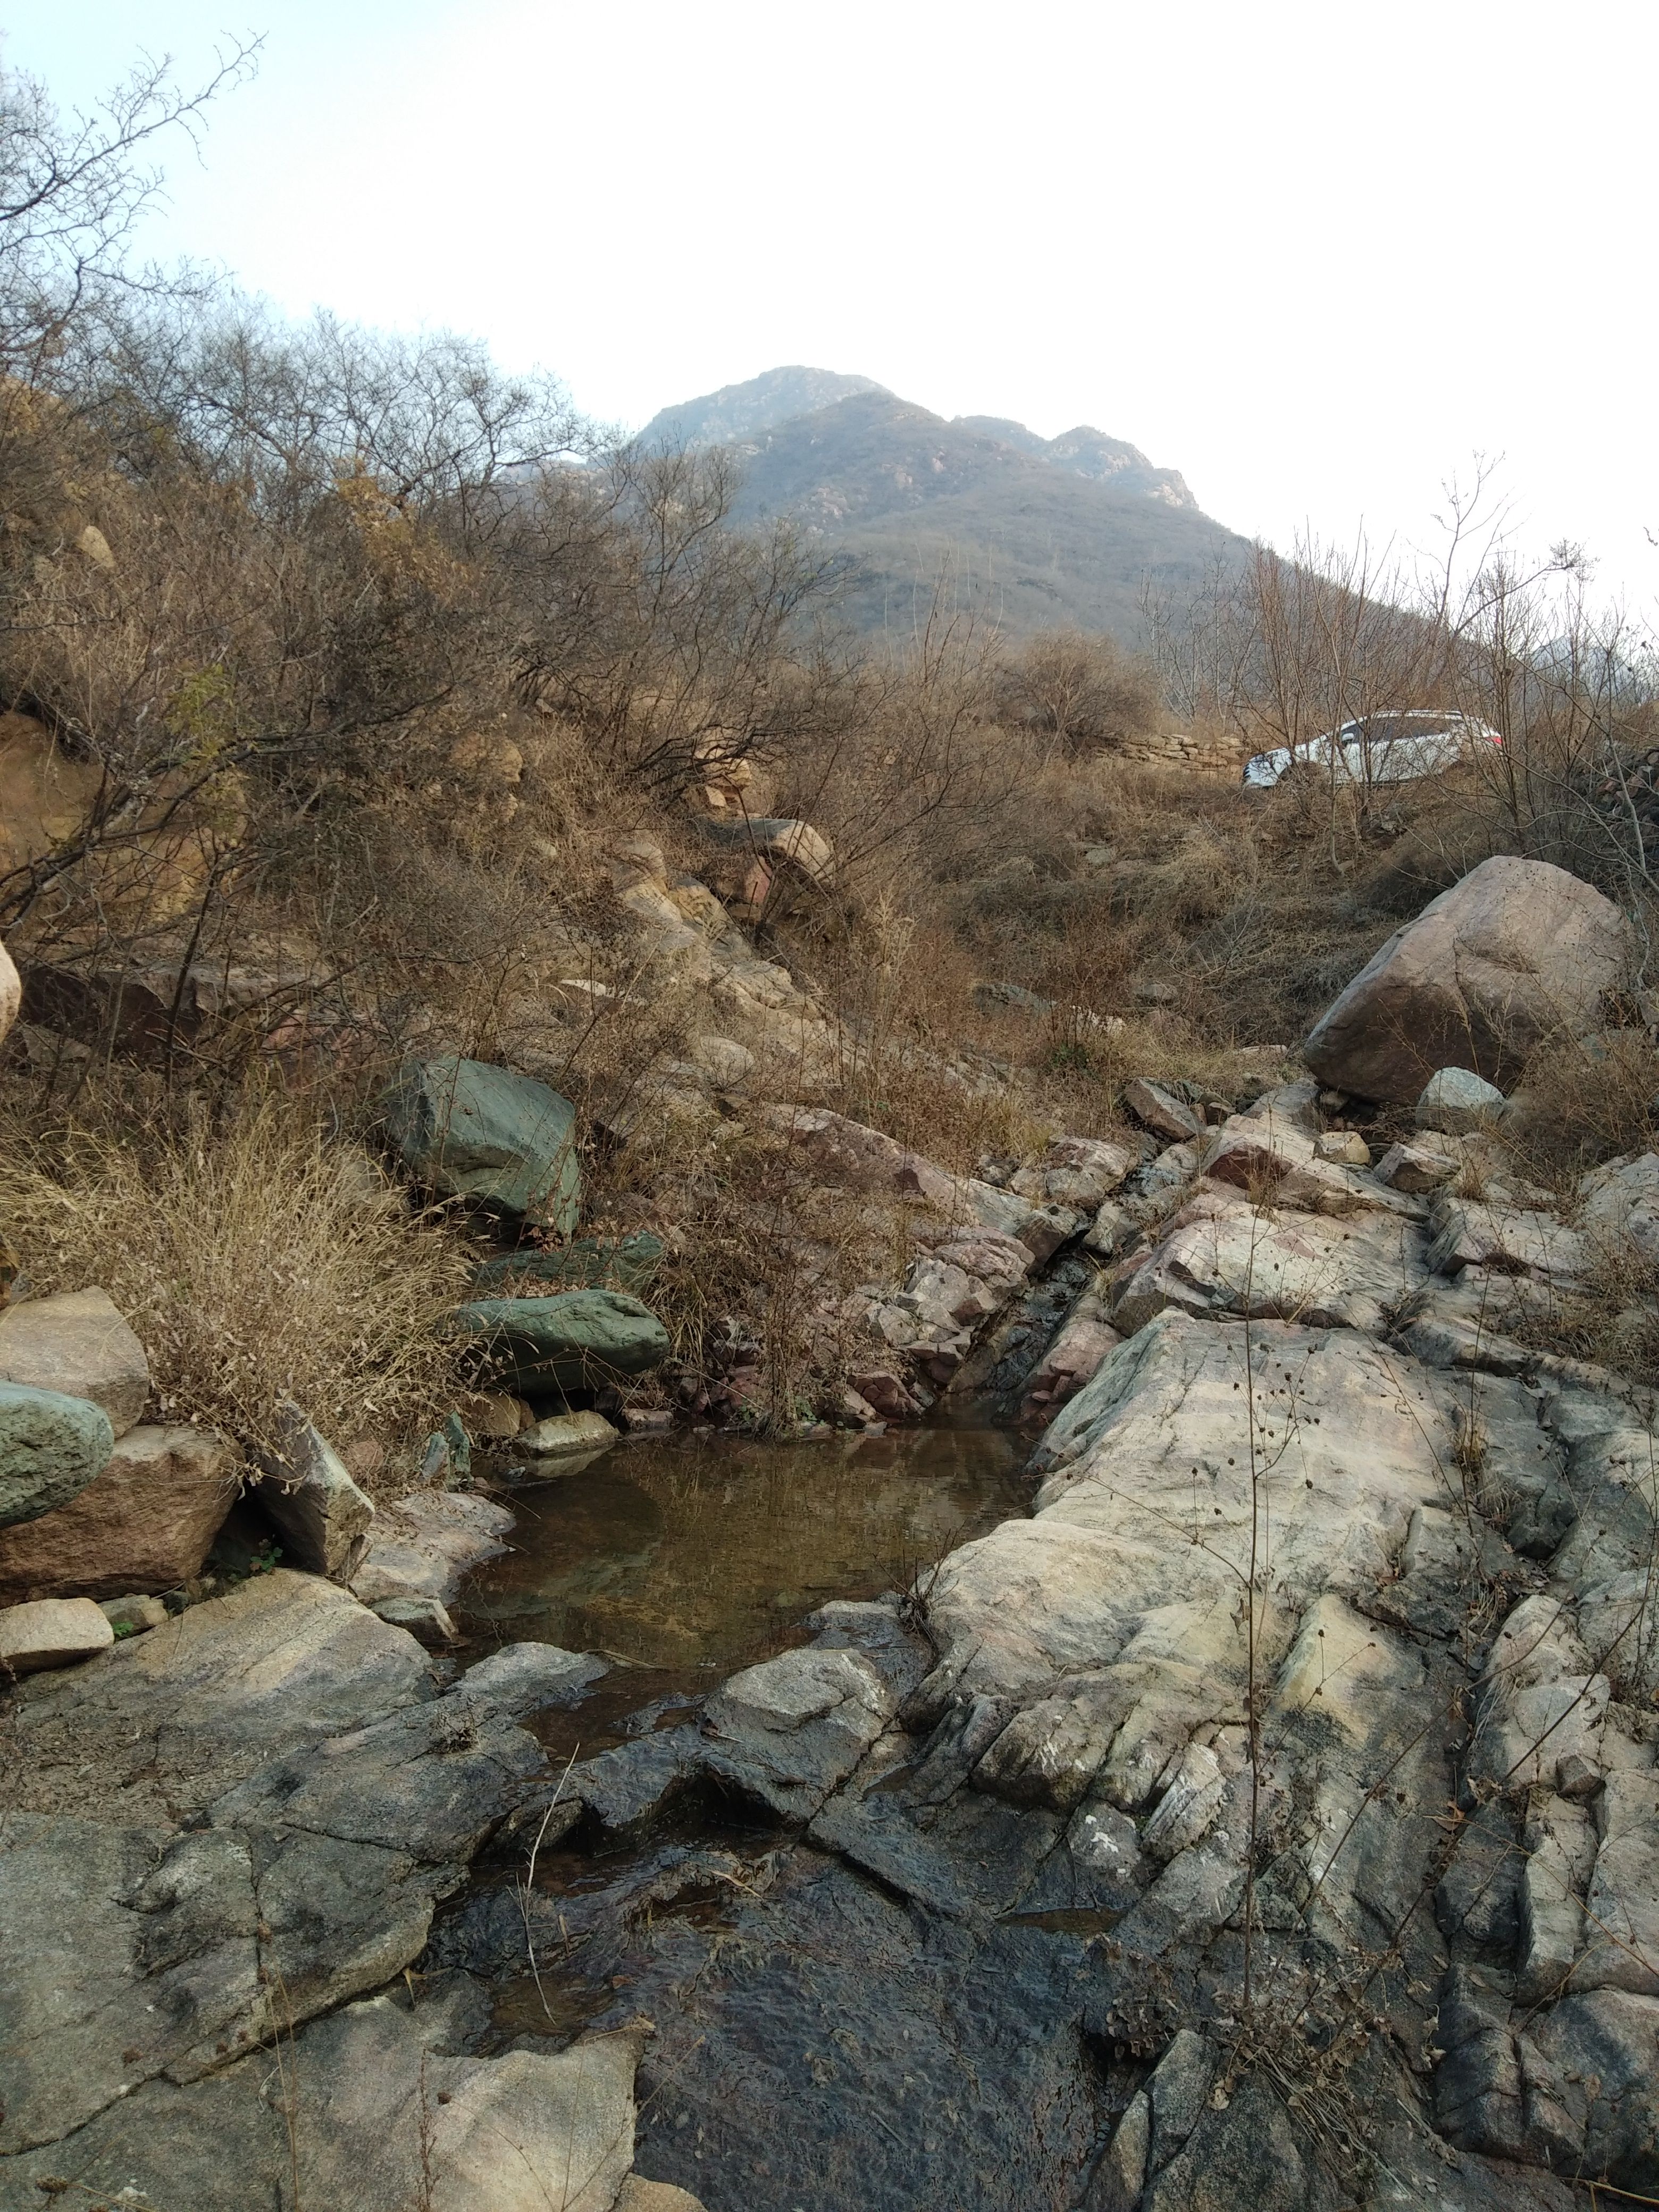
1394, 747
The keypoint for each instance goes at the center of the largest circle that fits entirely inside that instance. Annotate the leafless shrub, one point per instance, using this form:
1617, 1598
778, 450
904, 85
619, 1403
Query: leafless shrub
1082, 690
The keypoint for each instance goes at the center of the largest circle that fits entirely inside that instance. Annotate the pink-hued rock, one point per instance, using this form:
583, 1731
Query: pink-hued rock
1161, 1111
11, 992
145, 1523
1080, 1171
1516, 952
76, 1342
1072, 1357
883, 1391
855, 1158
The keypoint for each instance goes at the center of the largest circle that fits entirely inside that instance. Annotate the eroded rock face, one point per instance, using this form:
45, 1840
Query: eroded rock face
1516, 952
1619, 1208
1218, 1256
858, 1158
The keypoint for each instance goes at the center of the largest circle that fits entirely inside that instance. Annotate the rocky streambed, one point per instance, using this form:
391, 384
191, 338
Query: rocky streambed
1259, 1806
1271, 1809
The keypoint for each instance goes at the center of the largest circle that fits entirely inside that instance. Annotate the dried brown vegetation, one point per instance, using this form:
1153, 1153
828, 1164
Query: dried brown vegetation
340, 671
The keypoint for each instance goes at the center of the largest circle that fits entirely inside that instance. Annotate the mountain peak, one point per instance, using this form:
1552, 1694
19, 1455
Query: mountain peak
1039, 532
741, 410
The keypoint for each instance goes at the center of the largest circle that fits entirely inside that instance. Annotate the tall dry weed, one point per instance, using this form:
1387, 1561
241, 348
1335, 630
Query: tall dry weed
255, 1261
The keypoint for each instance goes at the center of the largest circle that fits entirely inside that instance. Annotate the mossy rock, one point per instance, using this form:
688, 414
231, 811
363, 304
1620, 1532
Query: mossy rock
574, 1340
624, 1263
502, 1140
51, 1448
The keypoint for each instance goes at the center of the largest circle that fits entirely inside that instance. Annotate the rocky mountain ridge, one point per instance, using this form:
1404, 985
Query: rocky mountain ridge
1044, 530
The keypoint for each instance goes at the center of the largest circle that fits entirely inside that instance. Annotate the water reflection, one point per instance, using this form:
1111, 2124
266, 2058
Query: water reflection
683, 1554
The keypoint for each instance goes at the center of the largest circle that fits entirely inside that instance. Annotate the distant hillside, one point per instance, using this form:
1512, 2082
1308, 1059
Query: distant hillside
1039, 532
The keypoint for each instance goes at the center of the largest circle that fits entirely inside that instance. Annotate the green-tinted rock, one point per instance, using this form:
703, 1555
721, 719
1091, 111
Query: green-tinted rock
622, 1263
576, 1340
51, 1448
482, 1133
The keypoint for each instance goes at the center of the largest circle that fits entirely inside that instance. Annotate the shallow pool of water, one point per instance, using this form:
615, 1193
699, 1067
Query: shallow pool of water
689, 1555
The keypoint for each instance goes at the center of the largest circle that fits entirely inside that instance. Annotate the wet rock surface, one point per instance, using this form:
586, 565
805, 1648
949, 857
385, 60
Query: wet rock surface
1329, 1632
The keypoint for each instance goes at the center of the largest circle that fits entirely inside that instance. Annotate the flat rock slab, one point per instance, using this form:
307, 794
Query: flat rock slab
133, 1951
792, 1728
1221, 1256
385, 2115
1511, 1239
156, 1728
144, 1523
426, 1543
77, 1343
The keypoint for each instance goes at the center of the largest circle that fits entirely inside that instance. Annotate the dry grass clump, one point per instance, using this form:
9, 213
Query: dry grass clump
758, 1264
255, 1261
1581, 1101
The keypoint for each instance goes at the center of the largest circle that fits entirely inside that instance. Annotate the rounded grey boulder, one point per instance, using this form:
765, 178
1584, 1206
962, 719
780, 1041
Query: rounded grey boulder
1458, 1101
51, 1448
1517, 952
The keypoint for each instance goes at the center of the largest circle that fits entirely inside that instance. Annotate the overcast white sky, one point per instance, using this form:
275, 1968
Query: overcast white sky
1316, 256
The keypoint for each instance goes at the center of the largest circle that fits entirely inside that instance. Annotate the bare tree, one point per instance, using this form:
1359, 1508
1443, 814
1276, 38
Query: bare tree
72, 192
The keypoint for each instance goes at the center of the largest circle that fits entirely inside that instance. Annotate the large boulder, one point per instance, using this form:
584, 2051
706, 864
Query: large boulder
51, 1448
77, 1344
482, 1133
1516, 952
145, 1523
576, 1340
